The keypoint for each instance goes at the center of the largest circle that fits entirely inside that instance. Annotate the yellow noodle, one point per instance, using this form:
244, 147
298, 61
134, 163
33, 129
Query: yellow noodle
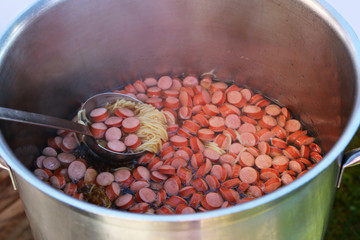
153, 128
215, 147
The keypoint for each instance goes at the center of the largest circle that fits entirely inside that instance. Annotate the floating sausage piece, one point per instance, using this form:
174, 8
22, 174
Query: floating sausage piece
116, 146
125, 201
98, 130
141, 173
218, 98
132, 141
187, 191
248, 175
51, 163
165, 82
131, 124
113, 191
190, 81
66, 158
150, 82
179, 141
217, 124
140, 86
235, 98
232, 121
172, 103
146, 195
154, 92
57, 181
212, 200
263, 161
113, 133
292, 125
137, 185
175, 201
43, 174
124, 112
68, 144
49, 152
105, 178
99, 114
172, 186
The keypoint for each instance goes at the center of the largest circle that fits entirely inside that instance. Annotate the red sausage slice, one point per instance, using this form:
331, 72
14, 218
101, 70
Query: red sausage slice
124, 112
90, 176
99, 114
125, 201
131, 124
211, 154
165, 82
66, 158
141, 173
137, 185
246, 159
69, 143
113, 121
116, 146
218, 98
179, 141
212, 200
132, 141
154, 92
248, 175
113, 191
172, 186
57, 181
172, 103
113, 133
217, 124
263, 161
146, 195
51, 163
190, 81
248, 139
98, 130
206, 134
105, 178
232, 121
49, 152
292, 125
150, 82
195, 200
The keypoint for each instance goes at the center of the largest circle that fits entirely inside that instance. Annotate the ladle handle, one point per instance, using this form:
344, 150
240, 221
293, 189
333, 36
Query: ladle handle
42, 120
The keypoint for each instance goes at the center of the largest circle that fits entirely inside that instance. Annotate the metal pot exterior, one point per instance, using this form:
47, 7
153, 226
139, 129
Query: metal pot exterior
300, 53
301, 215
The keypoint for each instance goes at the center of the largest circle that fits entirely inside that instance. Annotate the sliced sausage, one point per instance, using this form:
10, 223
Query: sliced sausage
99, 114
105, 178
131, 124
113, 133
132, 141
116, 146
248, 175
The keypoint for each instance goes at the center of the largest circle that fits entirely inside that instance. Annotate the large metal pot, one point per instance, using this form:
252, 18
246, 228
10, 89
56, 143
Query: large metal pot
301, 53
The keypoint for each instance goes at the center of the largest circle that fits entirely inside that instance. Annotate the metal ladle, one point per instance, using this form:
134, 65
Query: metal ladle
93, 102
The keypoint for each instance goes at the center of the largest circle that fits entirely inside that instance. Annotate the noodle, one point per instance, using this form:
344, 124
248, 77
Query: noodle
153, 128
215, 147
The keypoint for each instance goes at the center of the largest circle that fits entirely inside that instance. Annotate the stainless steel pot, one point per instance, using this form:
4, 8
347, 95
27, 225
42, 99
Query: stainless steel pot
301, 53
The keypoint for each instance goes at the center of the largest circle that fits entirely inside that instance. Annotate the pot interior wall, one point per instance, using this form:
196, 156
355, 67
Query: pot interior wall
80, 48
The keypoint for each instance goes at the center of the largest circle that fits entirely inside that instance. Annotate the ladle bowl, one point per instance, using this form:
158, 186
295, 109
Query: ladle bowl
82, 128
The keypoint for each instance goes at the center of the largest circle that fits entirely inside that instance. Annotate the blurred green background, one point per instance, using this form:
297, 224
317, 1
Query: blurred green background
344, 221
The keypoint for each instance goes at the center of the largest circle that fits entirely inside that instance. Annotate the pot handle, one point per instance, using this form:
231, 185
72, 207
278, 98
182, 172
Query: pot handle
3, 165
350, 159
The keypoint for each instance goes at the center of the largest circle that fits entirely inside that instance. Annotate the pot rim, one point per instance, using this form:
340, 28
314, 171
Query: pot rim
321, 7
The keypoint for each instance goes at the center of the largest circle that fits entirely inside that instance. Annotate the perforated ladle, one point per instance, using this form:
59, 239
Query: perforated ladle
93, 102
